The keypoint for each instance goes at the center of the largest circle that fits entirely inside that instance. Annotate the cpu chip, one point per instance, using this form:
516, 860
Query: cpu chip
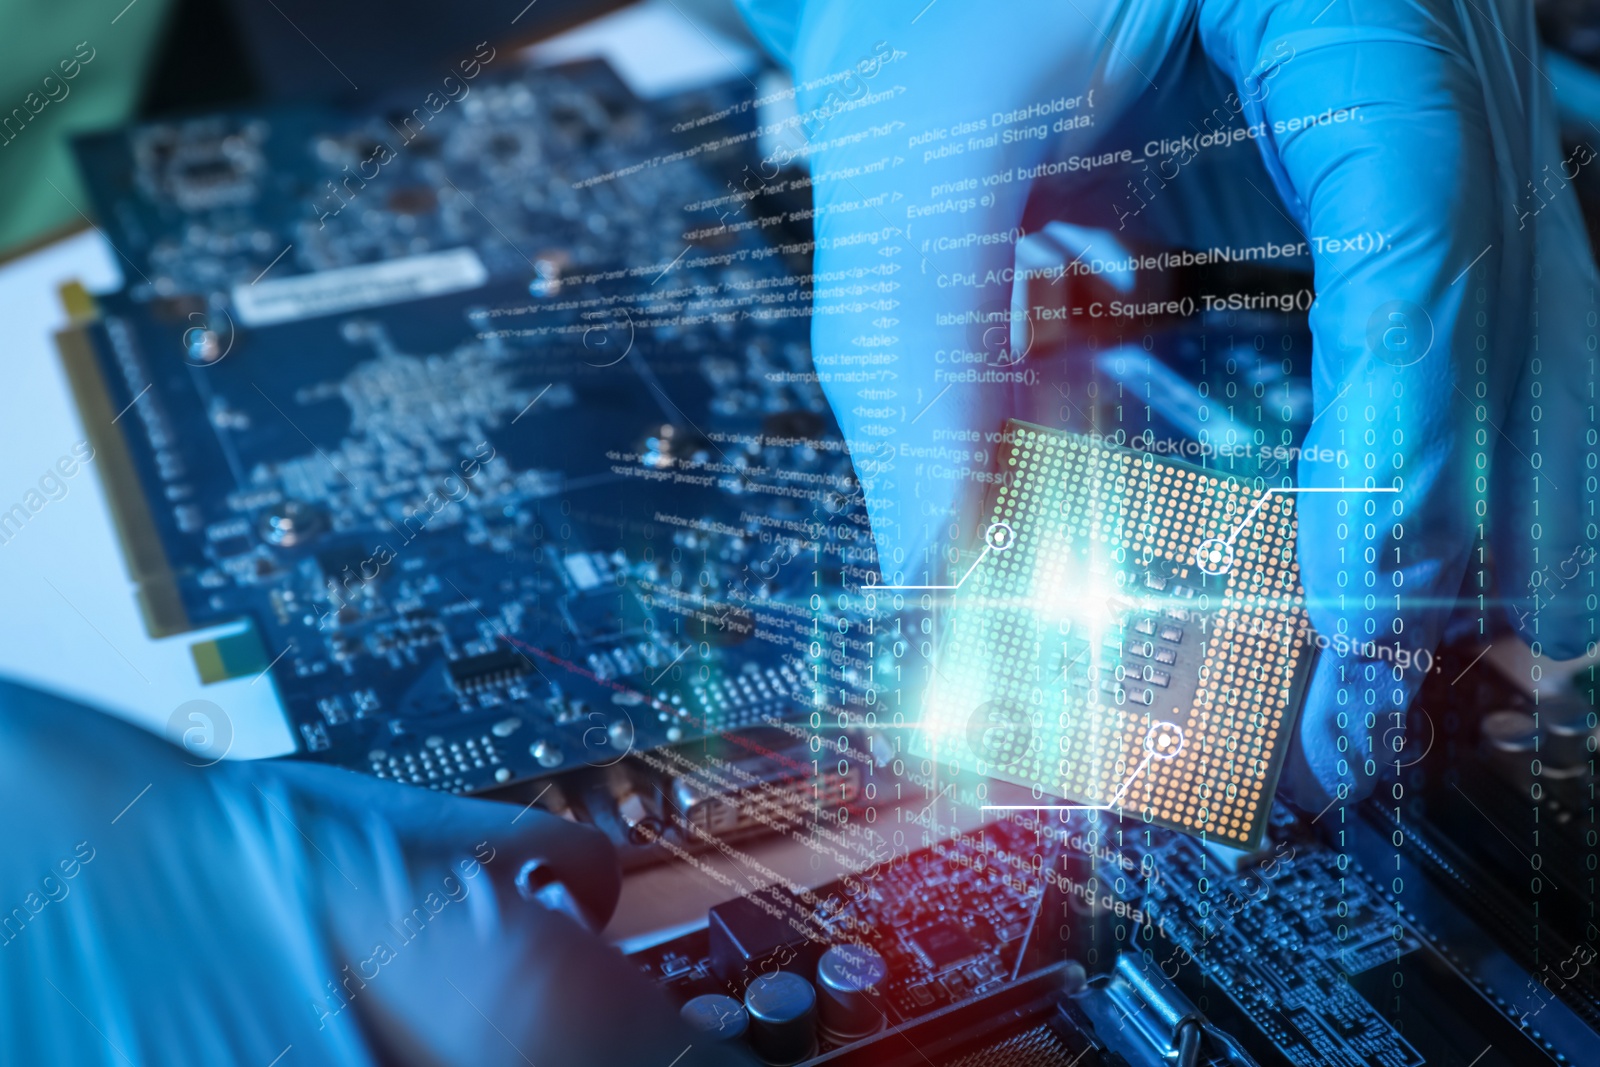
1131, 637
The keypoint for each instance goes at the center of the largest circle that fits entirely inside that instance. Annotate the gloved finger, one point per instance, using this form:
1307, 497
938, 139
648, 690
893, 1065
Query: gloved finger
1543, 518
920, 181
155, 927
1195, 182
407, 836
548, 992
1387, 121
115, 759
775, 23
244, 912
1577, 93
1195, 179
452, 922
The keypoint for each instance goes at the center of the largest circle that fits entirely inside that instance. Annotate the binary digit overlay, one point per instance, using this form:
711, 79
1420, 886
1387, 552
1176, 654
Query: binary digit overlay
882, 488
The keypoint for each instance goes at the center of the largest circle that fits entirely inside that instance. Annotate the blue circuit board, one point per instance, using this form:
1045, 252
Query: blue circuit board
495, 417
508, 475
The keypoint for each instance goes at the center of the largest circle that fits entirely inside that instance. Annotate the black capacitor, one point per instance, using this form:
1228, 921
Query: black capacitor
850, 983
1511, 732
783, 1016
716, 1016
1565, 725
760, 933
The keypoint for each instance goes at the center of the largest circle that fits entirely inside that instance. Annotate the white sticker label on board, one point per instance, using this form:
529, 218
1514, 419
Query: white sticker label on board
330, 292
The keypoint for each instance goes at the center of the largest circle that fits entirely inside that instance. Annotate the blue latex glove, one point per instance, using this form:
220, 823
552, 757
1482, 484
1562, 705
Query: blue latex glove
156, 912
1447, 147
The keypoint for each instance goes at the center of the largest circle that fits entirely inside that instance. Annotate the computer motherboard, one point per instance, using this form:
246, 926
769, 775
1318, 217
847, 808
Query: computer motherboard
509, 475
1054, 940
503, 450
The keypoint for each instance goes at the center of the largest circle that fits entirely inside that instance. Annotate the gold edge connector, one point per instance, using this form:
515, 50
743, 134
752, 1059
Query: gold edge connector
160, 603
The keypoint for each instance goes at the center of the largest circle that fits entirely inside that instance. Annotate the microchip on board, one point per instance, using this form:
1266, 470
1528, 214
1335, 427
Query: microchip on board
1132, 637
498, 666
942, 945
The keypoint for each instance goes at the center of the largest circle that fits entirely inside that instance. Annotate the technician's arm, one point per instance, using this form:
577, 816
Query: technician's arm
155, 912
1426, 121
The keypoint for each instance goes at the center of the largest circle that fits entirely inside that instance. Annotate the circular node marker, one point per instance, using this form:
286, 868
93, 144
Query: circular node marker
1000, 732
1164, 740
1400, 333
1000, 536
204, 731
1214, 556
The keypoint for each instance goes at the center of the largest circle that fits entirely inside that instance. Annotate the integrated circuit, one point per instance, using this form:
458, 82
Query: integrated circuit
943, 945
472, 502
1131, 637
496, 667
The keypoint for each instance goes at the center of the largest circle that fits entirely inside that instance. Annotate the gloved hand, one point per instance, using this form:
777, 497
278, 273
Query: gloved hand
276, 913
1454, 360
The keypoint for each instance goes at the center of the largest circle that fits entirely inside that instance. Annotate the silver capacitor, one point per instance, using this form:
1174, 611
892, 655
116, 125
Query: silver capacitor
716, 1016
850, 984
1565, 725
783, 1018
1509, 732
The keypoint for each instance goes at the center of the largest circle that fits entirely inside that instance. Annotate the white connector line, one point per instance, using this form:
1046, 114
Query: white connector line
671, 665
532, 402
997, 538
1124, 790
1045, 807
132, 402
986, 550
1262, 499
